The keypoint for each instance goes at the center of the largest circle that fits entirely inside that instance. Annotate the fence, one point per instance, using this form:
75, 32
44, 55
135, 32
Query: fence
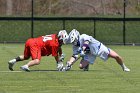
108, 30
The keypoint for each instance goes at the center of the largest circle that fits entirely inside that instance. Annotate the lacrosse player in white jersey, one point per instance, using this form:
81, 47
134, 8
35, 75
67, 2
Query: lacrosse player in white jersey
90, 48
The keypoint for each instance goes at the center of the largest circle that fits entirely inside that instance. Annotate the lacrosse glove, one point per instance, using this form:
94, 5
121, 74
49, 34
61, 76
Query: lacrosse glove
59, 66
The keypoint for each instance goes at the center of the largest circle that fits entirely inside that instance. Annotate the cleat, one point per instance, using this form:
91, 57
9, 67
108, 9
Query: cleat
11, 64
126, 69
25, 68
86, 68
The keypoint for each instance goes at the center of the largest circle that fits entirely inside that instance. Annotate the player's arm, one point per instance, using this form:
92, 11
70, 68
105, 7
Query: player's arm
73, 59
59, 62
74, 56
69, 63
59, 57
56, 58
56, 52
85, 45
84, 48
60, 51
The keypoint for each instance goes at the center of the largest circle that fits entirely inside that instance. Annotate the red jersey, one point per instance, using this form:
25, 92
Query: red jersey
41, 46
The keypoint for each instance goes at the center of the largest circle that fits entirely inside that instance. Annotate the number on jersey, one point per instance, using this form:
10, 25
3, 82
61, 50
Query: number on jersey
46, 38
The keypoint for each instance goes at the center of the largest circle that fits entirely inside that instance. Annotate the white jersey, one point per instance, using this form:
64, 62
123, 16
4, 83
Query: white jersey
96, 48
94, 44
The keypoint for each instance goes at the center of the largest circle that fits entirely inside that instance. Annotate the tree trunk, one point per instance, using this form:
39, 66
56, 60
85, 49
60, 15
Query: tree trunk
103, 7
138, 2
9, 4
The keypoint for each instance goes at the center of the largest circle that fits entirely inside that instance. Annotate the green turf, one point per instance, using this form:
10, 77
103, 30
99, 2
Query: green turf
101, 77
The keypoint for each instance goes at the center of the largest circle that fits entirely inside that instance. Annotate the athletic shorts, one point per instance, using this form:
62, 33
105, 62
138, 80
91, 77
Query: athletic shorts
32, 49
103, 54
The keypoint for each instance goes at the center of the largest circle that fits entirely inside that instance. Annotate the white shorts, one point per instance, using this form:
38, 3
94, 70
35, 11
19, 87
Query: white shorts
103, 54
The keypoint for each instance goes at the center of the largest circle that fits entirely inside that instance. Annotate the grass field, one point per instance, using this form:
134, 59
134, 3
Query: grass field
101, 78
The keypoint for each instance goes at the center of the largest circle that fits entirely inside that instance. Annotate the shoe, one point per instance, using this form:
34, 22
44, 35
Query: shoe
86, 68
25, 68
11, 64
126, 69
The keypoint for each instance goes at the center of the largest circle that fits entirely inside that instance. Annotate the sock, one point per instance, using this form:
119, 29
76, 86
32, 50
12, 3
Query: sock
18, 59
86, 67
123, 66
13, 61
26, 66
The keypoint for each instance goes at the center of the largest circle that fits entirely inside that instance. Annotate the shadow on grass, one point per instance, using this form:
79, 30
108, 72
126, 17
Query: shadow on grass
43, 70
64, 71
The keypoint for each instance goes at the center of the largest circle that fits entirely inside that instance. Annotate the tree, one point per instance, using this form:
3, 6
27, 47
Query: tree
9, 5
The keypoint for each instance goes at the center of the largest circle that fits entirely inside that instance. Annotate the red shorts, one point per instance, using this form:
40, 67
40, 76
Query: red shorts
32, 49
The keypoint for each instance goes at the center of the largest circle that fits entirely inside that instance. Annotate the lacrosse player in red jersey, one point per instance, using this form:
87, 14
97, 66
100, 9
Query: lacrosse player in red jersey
42, 46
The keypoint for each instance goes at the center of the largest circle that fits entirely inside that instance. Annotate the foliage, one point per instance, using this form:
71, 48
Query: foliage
68, 7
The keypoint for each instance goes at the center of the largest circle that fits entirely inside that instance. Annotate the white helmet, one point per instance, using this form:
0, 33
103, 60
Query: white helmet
62, 35
74, 36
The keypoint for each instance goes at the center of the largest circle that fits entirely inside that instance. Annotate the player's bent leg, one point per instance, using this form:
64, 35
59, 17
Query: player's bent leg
84, 65
114, 55
86, 68
25, 68
33, 62
119, 60
11, 64
13, 61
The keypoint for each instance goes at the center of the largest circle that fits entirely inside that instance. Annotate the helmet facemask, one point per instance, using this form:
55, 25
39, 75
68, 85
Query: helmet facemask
74, 36
63, 36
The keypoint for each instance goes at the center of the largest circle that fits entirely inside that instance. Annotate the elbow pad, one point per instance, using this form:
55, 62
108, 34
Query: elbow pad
75, 56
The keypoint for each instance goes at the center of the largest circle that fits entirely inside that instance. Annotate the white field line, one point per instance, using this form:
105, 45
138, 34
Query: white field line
49, 86
25, 71
9, 47
10, 71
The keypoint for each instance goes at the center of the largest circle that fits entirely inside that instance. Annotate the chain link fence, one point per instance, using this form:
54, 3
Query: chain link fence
103, 19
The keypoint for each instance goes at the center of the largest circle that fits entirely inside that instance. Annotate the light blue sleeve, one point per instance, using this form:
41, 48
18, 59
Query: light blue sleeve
75, 50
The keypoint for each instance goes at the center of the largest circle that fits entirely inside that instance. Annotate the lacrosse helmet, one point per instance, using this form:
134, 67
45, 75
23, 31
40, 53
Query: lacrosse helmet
74, 36
62, 35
